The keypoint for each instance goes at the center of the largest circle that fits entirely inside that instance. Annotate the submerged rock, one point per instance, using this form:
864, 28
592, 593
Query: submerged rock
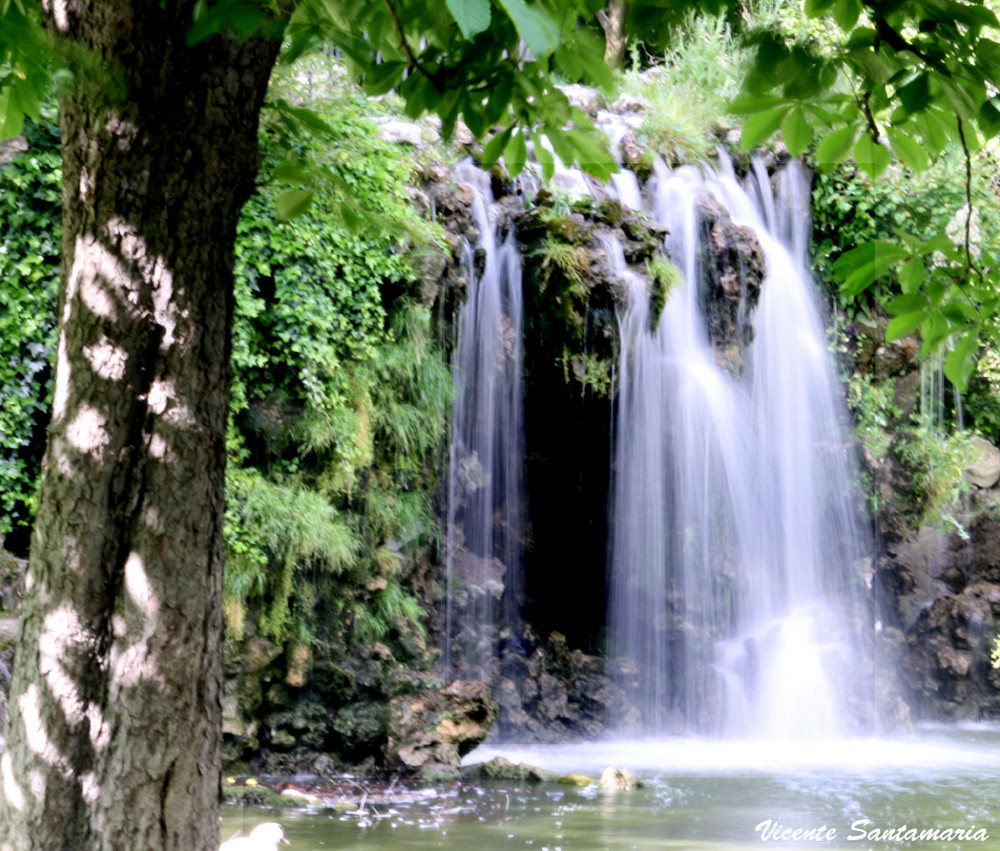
501, 768
616, 779
429, 733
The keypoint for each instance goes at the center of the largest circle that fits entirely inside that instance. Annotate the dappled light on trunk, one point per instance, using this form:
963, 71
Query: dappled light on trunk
114, 735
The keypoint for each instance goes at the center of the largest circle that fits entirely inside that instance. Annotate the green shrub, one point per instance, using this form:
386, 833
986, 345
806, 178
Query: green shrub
30, 192
689, 91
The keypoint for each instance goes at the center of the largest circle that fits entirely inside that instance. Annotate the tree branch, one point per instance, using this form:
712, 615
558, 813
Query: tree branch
405, 45
969, 262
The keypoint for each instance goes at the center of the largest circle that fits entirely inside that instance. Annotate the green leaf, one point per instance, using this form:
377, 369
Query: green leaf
909, 303
933, 331
815, 8
500, 95
292, 169
861, 266
293, 203
836, 145
846, 13
535, 27
748, 104
11, 117
761, 126
796, 131
472, 16
493, 149
916, 94
903, 325
908, 149
989, 117
384, 77
871, 156
570, 62
911, 276
940, 242
544, 157
592, 156
515, 155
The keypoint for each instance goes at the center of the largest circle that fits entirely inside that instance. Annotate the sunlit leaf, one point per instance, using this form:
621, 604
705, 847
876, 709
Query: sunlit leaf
761, 126
871, 156
796, 132
472, 16
836, 145
908, 149
293, 203
534, 25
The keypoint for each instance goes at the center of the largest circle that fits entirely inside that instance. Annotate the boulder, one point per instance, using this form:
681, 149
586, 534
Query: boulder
614, 779
402, 132
582, 97
984, 471
429, 733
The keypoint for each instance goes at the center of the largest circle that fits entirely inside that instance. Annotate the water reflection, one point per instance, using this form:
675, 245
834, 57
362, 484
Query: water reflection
698, 795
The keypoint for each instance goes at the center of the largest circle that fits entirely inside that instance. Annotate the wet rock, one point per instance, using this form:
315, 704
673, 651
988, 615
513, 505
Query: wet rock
431, 732
402, 132
627, 104
984, 471
558, 694
948, 666
500, 768
575, 780
734, 262
582, 97
361, 729
614, 779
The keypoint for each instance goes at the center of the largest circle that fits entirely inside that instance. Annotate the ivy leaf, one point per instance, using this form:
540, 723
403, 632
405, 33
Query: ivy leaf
908, 149
761, 126
796, 131
535, 27
836, 145
472, 16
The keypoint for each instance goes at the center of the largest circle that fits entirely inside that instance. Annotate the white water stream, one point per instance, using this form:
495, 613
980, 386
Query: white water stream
483, 547
737, 552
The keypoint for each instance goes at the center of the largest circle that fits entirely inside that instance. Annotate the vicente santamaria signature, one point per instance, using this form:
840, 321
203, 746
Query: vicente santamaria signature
771, 830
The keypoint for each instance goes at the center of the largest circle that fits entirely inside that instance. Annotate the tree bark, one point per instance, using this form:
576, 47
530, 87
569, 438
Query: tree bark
612, 21
115, 729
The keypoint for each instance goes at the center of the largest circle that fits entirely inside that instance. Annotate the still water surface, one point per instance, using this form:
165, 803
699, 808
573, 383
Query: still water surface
698, 795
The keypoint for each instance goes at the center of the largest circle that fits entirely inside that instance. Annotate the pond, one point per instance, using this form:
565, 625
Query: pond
698, 794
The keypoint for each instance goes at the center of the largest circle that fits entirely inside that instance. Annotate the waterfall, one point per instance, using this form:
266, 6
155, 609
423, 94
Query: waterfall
736, 555
483, 546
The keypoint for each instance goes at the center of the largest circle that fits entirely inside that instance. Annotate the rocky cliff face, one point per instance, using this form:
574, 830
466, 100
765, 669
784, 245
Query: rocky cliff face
943, 592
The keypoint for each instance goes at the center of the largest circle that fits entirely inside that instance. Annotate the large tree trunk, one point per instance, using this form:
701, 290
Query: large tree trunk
114, 737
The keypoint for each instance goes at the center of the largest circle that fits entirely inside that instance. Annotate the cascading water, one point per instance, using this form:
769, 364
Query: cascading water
736, 551
483, 548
